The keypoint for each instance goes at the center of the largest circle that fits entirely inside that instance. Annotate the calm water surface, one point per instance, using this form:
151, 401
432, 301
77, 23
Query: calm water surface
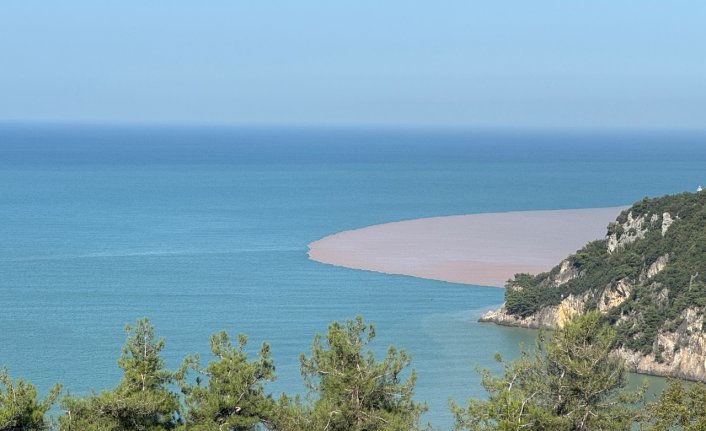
206, 229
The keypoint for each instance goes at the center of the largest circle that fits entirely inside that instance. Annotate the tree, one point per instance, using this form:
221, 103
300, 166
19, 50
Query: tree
513, 403
678, 408
575, 383
142, 400
354, 391
19, 407
233, 399
586, 380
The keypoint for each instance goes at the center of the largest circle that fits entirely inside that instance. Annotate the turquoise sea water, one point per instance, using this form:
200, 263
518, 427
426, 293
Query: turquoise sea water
203, 229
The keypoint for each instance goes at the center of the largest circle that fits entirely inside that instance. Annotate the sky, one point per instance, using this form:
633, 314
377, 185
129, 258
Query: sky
495, 63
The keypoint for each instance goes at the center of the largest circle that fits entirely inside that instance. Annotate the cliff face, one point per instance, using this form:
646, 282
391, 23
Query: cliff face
644, 279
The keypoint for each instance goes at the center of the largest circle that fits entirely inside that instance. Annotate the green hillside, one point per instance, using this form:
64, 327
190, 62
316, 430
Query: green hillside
655, 253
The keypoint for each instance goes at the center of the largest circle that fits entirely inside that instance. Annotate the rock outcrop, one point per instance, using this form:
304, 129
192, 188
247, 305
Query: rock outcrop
667, 221
680, 353
657, 266
632, 230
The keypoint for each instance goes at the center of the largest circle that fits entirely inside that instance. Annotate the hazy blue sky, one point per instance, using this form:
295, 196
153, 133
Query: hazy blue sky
613, 63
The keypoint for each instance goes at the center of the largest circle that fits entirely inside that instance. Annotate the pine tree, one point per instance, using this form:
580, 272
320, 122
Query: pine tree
20, 410
233, 397
142, 400
353, 391
575, 384
678, 407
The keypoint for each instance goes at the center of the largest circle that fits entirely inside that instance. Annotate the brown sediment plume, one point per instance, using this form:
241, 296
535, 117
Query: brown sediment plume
480, 249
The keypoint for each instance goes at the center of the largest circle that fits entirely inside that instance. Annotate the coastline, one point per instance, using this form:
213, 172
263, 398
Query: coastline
479, 249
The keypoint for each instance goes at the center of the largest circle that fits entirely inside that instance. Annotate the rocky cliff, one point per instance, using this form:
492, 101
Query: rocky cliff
644, 278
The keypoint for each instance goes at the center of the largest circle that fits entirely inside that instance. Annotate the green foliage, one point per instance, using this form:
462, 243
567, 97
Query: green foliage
294, 414
524, 296
678, 407
142, 366
142, 401
354, 391
349, 390
591, 256
639, 318
512, 403
574, 384
19, 407
615, 228
233, 398
571, 382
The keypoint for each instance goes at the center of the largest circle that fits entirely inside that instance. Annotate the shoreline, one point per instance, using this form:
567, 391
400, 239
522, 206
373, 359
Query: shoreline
478, 249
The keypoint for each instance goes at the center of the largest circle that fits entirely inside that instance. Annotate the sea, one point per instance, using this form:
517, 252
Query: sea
205, 228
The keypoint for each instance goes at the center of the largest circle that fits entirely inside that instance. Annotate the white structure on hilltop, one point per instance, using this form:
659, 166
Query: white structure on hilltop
699, 188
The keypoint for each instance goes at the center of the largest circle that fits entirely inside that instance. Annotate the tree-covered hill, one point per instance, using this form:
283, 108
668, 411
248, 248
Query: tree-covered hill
646, 278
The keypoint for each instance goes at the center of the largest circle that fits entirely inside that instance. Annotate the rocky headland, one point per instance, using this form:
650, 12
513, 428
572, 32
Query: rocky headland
645, 279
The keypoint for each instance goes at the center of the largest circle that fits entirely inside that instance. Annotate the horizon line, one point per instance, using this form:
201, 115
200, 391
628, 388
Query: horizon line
349, 126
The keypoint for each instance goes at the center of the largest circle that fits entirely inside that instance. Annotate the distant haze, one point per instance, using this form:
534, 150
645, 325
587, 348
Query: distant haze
459, 62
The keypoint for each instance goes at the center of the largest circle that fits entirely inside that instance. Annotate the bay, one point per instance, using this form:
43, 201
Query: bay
205, 228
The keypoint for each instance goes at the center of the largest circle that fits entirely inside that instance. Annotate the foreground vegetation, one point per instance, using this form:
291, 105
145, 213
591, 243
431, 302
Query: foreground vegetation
568, 382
